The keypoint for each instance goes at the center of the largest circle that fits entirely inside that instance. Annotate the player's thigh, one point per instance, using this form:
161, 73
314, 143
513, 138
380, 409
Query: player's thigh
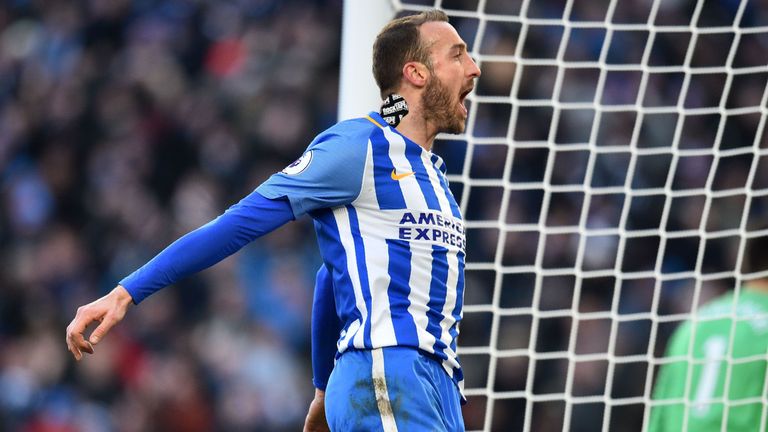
350, 399
391, 389
422, 395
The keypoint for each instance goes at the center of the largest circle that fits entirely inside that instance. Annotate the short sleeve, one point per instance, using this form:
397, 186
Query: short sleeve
328, 174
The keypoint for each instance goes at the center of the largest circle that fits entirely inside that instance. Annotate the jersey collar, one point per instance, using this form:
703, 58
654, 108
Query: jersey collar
376, 119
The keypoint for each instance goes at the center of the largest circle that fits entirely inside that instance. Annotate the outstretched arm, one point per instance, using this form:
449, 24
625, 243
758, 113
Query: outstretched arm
323, 177
325, 332
242, 223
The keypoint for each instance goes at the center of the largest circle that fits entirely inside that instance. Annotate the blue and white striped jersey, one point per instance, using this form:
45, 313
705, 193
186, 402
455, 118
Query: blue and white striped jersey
390, 232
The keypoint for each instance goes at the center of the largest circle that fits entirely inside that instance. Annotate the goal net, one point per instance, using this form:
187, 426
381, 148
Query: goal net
614, 165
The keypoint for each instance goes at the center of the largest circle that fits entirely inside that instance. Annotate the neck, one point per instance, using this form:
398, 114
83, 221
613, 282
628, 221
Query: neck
415, 126
417, 131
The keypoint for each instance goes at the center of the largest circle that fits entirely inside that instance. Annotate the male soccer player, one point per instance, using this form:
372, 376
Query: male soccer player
716, 380
390, 234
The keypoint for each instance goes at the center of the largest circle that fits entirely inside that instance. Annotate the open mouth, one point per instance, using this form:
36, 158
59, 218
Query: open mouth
463, 97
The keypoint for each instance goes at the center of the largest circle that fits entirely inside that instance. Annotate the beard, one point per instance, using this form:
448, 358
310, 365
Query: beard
439, 108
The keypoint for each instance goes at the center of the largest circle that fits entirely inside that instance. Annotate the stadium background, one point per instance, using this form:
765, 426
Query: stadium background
124, 124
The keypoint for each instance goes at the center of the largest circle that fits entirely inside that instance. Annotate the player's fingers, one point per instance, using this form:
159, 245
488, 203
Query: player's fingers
74, 346
100, 331
75, 340
78, 348
75, 352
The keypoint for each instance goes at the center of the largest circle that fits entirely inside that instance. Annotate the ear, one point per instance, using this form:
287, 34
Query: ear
415, 73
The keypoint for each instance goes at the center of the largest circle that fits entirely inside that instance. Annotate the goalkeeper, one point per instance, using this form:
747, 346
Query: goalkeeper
718, 383
390, 233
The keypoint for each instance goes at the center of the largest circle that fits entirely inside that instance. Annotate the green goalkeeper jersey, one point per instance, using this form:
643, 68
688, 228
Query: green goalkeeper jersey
712, 360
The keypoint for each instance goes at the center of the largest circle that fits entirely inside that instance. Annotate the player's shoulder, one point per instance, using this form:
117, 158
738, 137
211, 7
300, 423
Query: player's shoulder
758, 297
343, 144
352, 132
717, 303
727, 303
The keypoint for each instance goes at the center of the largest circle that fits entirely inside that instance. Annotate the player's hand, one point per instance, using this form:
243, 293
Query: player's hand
108, 311
315, 421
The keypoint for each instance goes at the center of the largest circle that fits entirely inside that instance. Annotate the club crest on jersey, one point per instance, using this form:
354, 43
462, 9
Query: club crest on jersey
299, 165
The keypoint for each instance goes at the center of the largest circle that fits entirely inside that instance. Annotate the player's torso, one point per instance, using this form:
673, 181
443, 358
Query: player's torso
405, 197
715, 327
400, 276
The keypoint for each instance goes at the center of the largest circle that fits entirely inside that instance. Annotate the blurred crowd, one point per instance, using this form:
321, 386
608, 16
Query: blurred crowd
123, 125
127, 123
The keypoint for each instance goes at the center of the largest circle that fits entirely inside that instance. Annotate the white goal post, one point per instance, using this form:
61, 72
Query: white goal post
361, 22
614, 165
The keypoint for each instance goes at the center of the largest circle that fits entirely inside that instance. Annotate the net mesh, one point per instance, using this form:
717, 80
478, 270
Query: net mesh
614, 164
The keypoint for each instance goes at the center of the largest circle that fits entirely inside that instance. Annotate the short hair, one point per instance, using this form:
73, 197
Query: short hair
398, 43
756, 254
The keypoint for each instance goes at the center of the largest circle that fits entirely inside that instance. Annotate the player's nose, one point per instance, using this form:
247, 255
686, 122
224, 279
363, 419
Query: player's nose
473, 70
